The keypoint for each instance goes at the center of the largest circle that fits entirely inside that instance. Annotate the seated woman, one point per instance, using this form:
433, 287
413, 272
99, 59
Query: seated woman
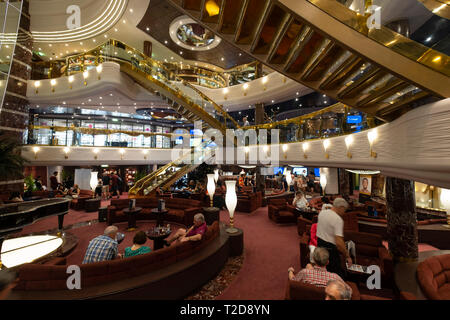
15, 197
61, 190
194, 233
75, 191
138, 245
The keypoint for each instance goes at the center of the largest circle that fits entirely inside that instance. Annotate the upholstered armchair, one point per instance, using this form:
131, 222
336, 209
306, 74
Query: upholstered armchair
282, 212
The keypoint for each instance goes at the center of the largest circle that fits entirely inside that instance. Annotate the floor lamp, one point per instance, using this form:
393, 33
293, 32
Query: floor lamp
231, 203
211, 187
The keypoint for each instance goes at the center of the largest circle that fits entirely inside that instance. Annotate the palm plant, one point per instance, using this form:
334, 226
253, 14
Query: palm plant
11, 160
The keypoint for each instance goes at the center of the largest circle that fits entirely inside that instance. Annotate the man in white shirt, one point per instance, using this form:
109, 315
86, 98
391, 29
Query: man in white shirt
330, 235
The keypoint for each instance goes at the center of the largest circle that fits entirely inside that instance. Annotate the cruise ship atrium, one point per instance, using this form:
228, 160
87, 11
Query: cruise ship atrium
225, 150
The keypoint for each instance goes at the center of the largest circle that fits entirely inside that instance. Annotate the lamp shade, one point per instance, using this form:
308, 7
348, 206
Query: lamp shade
288, 177
231, 197
211, 187
216, 175
323, 181
94, 180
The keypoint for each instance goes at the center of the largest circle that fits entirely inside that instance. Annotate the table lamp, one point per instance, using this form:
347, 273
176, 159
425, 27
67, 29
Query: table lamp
94, 182
445, 201
216, 175
211, 187
323, 182
231, 203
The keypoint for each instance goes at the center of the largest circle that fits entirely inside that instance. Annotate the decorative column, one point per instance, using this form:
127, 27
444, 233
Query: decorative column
344, 182
401, 219
13, 88
259, 119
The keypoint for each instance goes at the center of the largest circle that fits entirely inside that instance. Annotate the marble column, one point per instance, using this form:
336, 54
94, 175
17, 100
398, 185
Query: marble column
14, 109
344, 182
401, 219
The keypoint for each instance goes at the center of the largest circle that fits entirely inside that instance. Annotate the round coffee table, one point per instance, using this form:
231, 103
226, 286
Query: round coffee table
158, 235
131, 213
159, 216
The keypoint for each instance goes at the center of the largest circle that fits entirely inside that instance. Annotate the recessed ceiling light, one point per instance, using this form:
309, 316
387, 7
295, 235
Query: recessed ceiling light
148, 29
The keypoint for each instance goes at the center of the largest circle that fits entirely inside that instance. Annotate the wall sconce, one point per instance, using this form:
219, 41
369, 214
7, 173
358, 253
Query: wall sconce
71, 78
245, 89
95, 153
85, 76
326, 145
122, 152
37, 84
372, 136
246, 151
264, 81
305, 147
225, 92
35, 150
99, 71
348, 143
285, 148
66, 151
145, 152
53, 84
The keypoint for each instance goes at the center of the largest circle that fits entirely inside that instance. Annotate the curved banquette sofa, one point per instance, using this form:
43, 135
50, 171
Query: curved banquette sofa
179, 210
169, 273
433, 275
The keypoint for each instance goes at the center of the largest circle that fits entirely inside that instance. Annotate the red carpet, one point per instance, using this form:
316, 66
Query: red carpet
270, 249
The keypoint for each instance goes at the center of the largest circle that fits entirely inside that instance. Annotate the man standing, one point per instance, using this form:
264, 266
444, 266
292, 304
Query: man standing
104, 247
330, 235
115, 185
54, 181
106, 181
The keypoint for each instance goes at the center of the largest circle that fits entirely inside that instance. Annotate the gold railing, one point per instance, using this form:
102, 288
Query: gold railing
415, 51
338, 108
113, 49
99, 131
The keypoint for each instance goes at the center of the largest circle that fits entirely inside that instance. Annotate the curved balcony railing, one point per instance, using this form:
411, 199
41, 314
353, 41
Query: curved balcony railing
332, 121
335, 120
413, 50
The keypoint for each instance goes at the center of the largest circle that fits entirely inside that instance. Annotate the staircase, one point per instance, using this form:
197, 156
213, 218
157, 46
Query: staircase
326, 46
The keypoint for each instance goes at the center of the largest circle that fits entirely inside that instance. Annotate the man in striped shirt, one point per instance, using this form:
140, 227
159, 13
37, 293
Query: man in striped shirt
316, 274
104, 247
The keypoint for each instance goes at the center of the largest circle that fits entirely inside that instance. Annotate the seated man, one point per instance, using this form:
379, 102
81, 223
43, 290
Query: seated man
316, 275
338, 290
103, 247
194, 233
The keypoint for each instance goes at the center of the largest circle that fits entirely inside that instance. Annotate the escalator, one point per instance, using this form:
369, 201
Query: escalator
324, 45
170, 173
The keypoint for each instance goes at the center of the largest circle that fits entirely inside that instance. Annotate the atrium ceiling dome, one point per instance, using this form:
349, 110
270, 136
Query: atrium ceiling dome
183, 32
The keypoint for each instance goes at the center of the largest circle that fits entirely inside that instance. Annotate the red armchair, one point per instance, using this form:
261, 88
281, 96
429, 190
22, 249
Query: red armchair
433, 275
282, 212
78, 203
249, 202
